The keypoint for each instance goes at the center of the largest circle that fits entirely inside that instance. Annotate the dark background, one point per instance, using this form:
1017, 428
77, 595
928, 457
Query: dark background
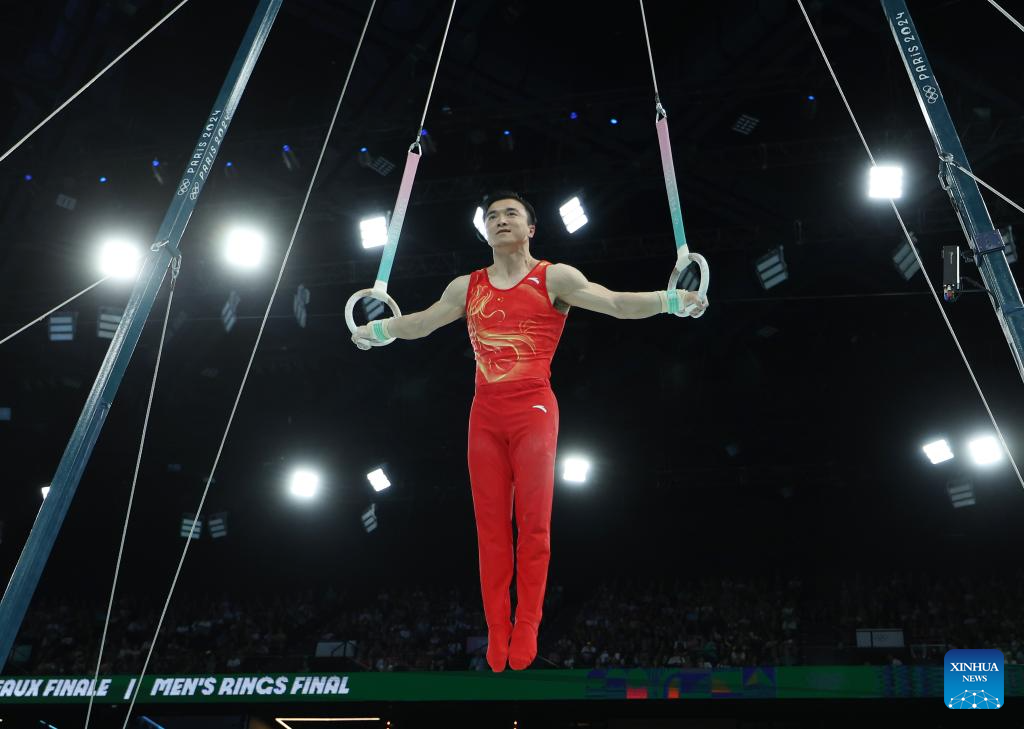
781, 431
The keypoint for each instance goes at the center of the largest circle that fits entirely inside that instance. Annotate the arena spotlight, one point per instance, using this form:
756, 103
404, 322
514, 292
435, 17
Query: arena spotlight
299, 303
374, 231
985, 450
304, 483
745, 124
218, 525
690, 280
369, 518
478, 222
291, 161
574, 469
46, 491
373, 308
382, 166
119, 258
885, 182
771, 268
108, 321
244, 247
62, 326
938, 451
961, 493
905, 260
191, 526
573, 215
378, 480
229, 312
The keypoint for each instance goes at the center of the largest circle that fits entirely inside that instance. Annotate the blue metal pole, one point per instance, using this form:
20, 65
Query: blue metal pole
55, 506
985, 240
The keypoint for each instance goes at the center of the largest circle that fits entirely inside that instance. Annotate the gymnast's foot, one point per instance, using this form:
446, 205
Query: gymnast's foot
523, 647
497, 646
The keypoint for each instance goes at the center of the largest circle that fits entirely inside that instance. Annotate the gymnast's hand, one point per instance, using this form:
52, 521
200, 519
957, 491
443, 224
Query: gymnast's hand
692, 297
362, 337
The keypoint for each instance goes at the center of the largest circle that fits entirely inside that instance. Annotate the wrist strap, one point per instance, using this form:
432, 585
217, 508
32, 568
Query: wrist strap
672, 296
379, 327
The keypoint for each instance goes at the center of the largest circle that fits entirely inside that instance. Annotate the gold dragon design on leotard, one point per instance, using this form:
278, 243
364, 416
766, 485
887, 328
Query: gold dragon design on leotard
490, 344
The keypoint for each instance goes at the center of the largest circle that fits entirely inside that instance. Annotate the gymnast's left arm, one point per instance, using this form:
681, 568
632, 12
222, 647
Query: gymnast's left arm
570, 286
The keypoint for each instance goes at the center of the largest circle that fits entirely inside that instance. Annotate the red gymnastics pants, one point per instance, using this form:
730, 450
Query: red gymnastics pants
513, 430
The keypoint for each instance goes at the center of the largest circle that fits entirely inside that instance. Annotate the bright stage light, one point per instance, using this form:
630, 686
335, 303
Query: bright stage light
572, 215
574, 470
304, 483
244, 247
938, 451
46, 491
374, 231
985, 450
478, 222
378, 480
886, 182
119, 258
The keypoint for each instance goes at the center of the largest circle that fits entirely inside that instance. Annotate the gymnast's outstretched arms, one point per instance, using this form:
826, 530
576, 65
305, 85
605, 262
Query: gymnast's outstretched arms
571, 286
565, 283
450, 307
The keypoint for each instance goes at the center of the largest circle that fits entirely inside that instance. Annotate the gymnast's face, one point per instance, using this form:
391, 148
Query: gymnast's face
507, 224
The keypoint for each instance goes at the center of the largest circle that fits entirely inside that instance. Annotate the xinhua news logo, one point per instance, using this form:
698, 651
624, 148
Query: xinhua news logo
974, 679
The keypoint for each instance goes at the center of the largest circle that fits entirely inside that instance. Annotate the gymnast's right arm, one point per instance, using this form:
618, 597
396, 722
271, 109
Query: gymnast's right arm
451, 306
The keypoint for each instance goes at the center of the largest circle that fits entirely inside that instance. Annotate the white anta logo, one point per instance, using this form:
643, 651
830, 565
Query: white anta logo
541, 407
534, 279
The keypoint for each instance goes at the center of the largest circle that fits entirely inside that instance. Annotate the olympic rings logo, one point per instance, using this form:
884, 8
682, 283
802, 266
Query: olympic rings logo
931, 94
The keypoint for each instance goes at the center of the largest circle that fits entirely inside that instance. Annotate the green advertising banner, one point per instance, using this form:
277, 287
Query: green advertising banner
804, 682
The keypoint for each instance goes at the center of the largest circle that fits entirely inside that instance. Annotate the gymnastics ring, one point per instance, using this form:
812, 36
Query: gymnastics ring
379, 295
685, 259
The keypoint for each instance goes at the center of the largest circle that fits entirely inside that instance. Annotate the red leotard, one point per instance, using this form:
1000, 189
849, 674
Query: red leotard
513, 430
